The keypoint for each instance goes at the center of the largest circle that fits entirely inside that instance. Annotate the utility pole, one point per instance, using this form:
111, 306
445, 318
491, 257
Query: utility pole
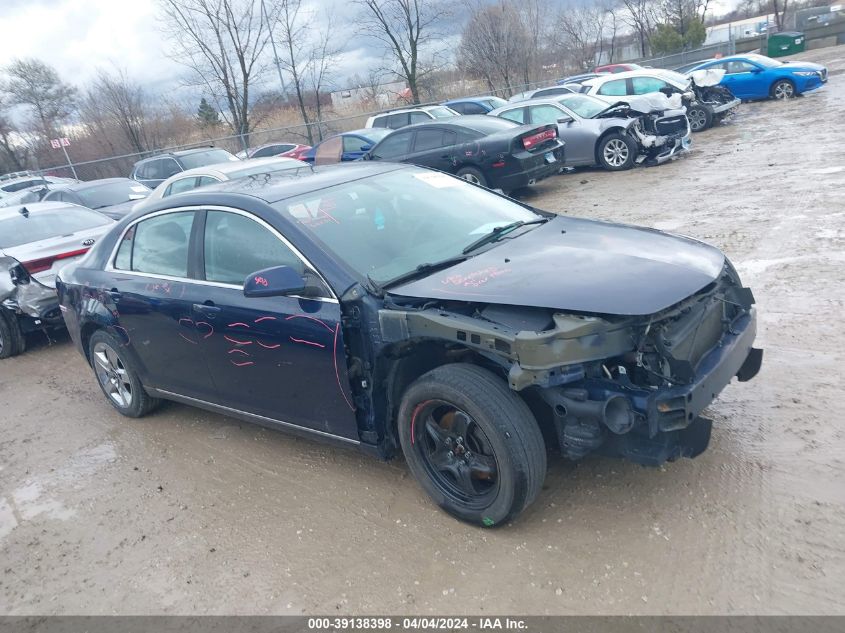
275, 54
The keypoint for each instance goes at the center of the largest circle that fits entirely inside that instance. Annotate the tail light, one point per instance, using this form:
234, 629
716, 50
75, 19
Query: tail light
536, 139
34, 266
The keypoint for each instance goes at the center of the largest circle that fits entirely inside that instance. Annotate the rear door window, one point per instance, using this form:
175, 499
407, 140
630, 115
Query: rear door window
433, 139
157, 246
545, 114
395, 145
615, 88
419, 117
395, 121
517, 114
646, 85
181, 185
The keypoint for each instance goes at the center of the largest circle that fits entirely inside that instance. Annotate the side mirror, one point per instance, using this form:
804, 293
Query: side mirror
565, 118
366, 147
274, 282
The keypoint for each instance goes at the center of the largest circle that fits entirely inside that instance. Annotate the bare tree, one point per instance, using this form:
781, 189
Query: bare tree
580, 31
494, 45
294, 27
640, 15
12, 156
37, 86
324, 56
223, 42
127, 105
406, 28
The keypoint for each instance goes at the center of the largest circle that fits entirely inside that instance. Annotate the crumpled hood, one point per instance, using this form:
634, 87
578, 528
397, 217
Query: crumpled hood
707, 77
579, 266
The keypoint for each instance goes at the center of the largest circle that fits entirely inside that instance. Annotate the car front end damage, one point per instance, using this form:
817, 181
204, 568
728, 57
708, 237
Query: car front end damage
628, 386
657, 123
706, 89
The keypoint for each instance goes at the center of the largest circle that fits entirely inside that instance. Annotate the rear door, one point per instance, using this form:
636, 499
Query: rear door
280, 358
434, 147
154, 288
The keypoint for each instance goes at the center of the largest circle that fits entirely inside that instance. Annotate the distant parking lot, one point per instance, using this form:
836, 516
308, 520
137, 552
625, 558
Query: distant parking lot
190, 512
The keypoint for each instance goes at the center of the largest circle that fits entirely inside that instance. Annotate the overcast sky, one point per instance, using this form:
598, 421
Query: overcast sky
78, 36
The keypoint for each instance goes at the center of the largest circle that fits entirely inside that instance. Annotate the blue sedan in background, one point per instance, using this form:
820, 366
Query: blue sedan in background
345, 147
753, 76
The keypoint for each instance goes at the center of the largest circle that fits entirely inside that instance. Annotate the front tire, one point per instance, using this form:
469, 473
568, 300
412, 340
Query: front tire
117, 376
700, 117
783, 89
472, 444
616, 152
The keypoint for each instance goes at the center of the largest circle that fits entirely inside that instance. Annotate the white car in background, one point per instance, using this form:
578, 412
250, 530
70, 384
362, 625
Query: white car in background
191, 179
394, 119
702, 112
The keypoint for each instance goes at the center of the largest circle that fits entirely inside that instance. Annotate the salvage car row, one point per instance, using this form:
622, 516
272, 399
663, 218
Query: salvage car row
398, 308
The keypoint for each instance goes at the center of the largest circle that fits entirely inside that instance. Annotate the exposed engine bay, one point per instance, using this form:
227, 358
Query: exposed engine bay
621, 385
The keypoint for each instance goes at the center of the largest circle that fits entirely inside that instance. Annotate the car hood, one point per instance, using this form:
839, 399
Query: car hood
799, 65
579, 266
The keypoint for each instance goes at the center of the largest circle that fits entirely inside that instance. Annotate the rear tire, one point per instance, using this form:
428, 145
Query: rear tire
783, 89
700, 117
616, 152
472, 444
12, 341
118, 377
473, 175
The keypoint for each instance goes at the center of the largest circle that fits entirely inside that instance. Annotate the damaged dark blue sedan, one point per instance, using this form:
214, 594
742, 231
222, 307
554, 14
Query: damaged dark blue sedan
395, 308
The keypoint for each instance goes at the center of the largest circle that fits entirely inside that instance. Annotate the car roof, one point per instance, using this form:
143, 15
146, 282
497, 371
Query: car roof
89, 184
224, 169
294, 182
469, 100
630, 74
465, 121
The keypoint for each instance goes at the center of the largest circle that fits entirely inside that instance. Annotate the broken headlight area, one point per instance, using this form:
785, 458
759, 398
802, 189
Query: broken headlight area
35, 304
627, 386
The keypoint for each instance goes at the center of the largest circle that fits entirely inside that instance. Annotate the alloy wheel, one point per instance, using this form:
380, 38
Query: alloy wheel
112, 374
615, 152
470, 177
697, 119
784, 90
456, 453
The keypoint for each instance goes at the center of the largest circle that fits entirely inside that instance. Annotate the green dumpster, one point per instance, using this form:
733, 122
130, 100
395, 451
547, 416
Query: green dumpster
786, 43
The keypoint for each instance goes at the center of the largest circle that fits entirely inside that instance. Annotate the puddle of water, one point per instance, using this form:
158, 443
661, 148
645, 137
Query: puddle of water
827, 170
30, 503
8, 522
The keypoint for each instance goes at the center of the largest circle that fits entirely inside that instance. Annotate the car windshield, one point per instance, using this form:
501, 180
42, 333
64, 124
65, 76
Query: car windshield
265, 169
584, 106
41, 225
441, 112
389, 224
768, 62
496, 102
112, 193
208, 157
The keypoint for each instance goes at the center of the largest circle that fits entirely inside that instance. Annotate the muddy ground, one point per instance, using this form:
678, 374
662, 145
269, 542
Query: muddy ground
189, 512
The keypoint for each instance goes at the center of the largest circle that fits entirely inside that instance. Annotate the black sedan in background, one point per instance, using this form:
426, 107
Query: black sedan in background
493, 153
113, 197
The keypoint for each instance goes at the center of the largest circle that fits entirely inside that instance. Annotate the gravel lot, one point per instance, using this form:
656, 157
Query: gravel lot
189, 512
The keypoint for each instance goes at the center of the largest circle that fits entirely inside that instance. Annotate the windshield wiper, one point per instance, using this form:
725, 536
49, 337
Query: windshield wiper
419, 271
499, 231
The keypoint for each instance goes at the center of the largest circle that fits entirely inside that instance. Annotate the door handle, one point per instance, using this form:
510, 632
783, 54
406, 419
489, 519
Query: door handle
208, 309
114, 295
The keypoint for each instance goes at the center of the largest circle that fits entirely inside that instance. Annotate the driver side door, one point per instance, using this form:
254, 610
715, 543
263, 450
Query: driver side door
280, 358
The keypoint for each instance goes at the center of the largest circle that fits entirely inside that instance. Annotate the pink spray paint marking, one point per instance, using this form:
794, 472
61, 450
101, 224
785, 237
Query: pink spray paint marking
188, 321
125, 333
246, 363
237, 342
414, 415
273, 346
237, 351
238, 324
210, 328
305, 316
304, 342
261, 281
265, 318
